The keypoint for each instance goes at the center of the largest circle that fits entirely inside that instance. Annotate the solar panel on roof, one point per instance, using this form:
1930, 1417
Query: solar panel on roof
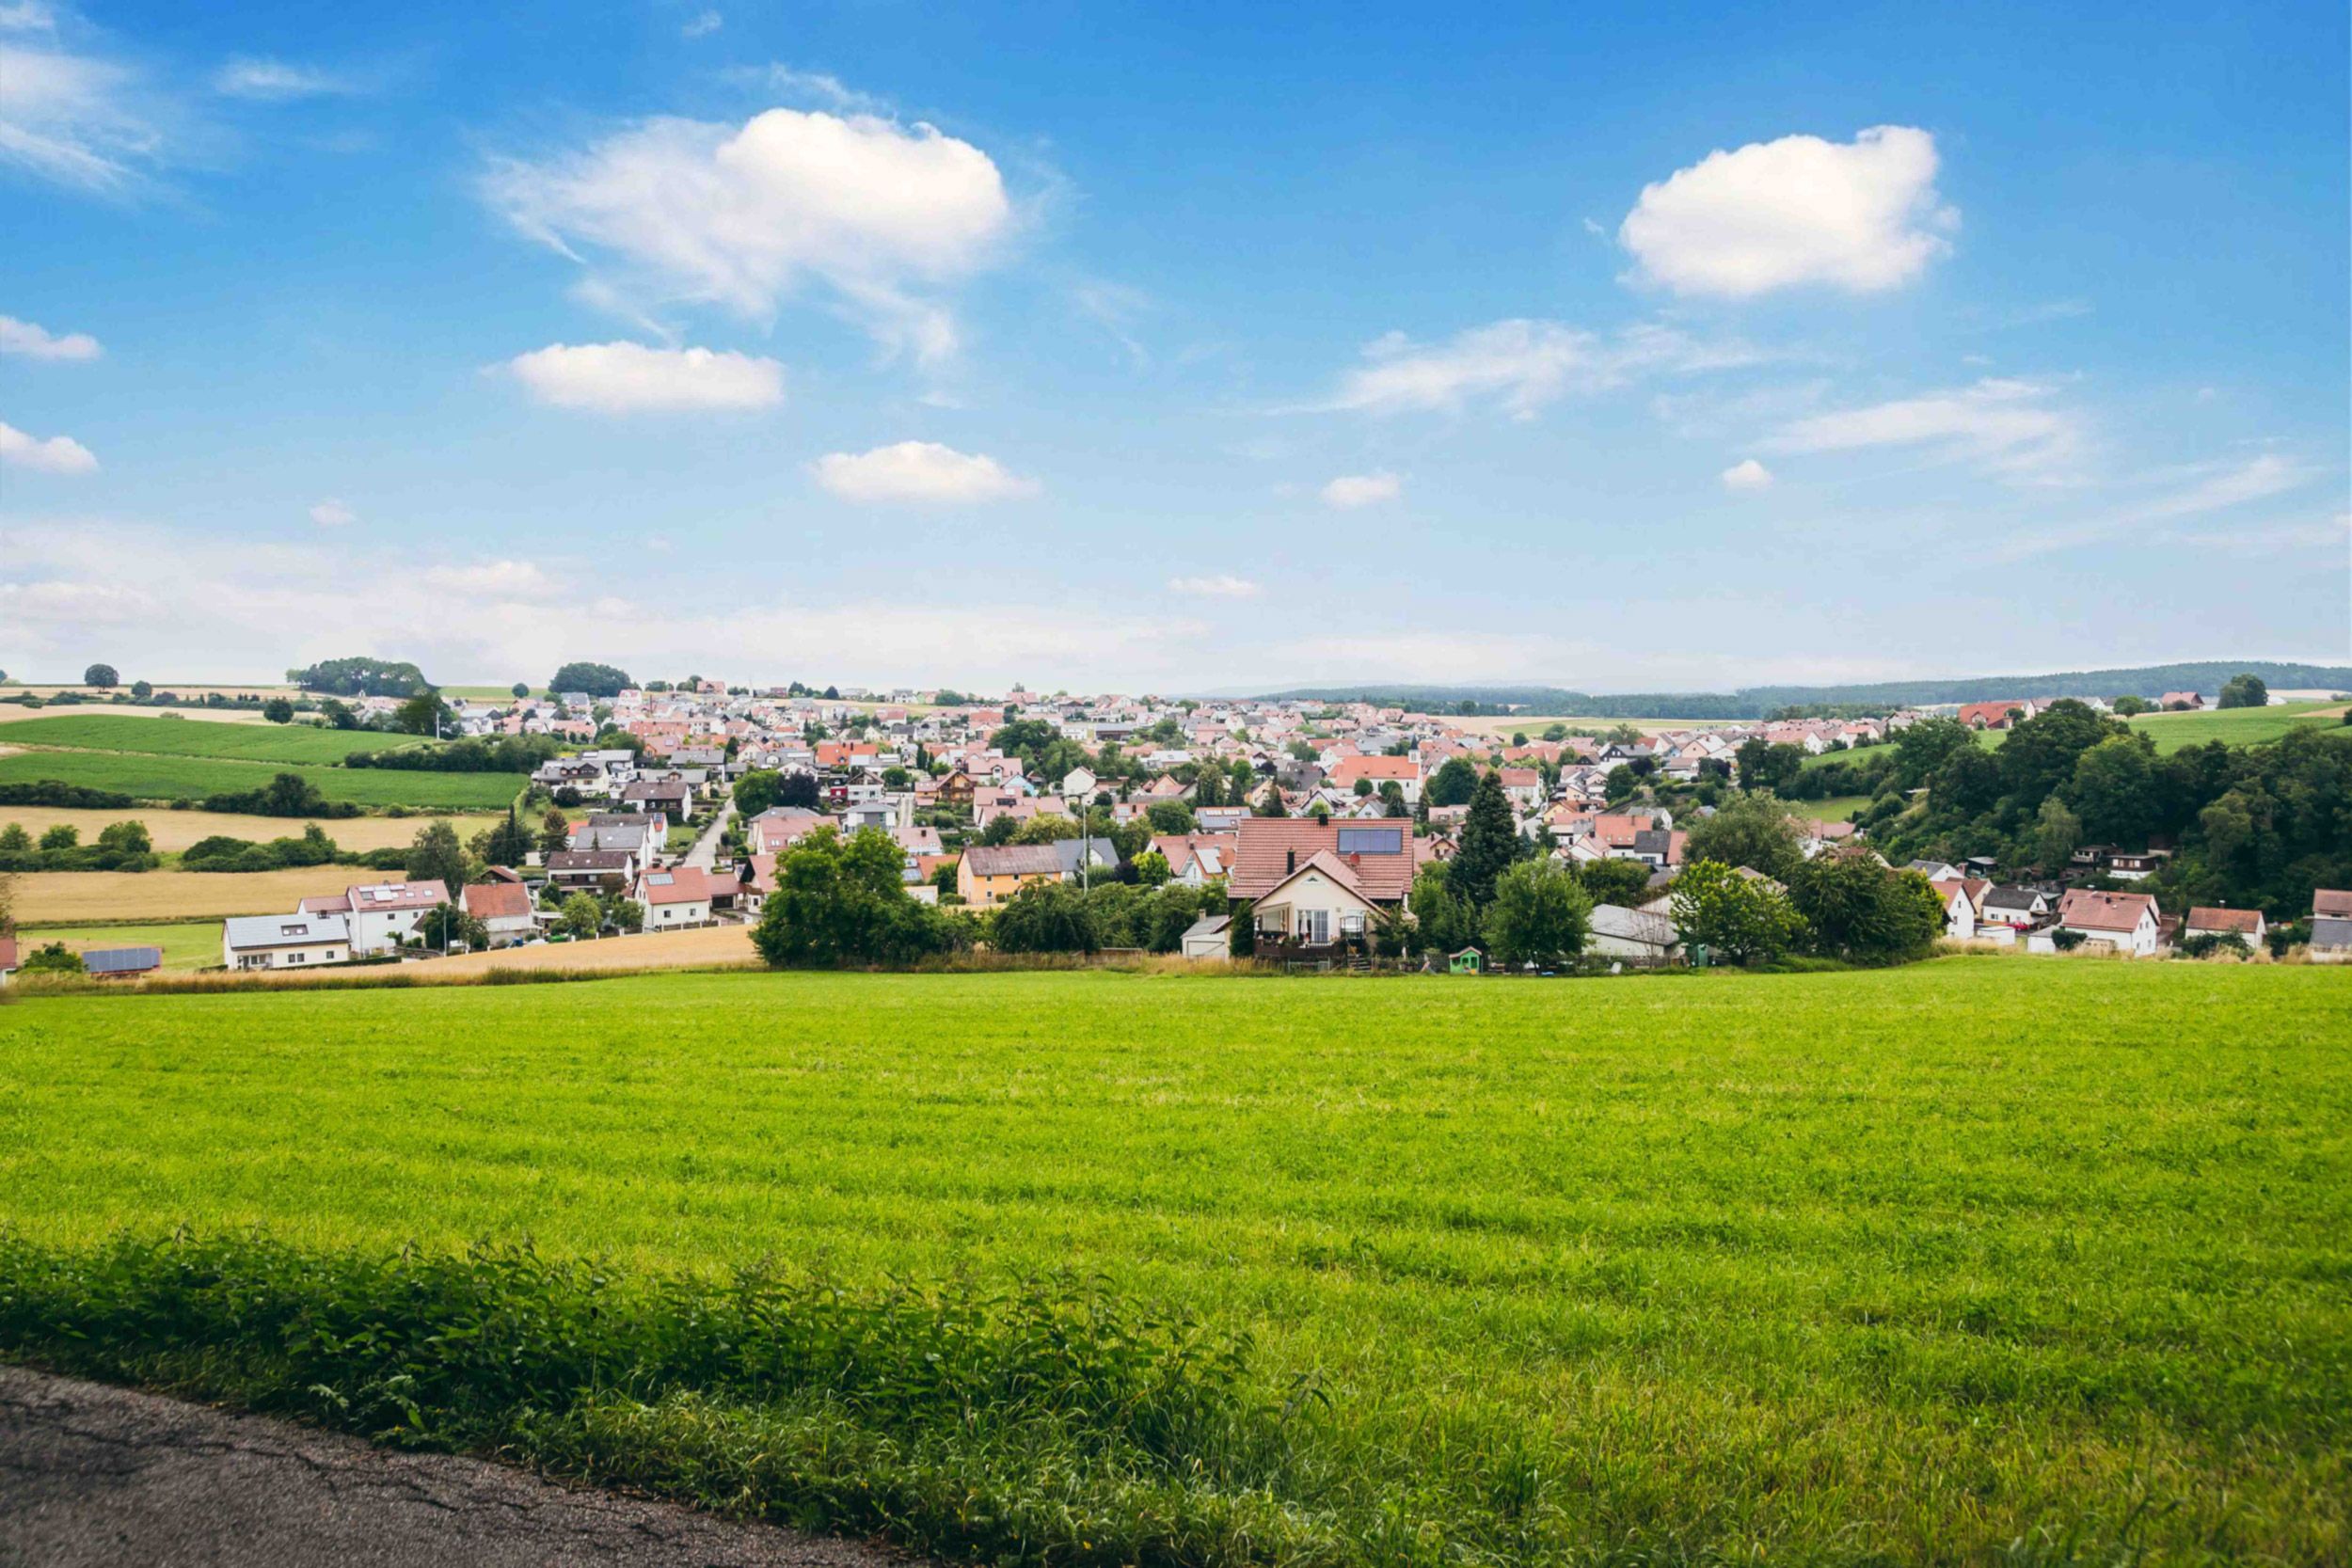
1372, 840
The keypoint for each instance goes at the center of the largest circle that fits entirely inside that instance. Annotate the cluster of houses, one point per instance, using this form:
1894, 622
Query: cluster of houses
1321, 837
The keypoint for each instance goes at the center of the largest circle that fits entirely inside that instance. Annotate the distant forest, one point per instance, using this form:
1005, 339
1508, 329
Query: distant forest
1757, 702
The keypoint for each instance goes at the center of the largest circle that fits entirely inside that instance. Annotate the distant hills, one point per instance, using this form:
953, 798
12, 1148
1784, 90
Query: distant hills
1754, 702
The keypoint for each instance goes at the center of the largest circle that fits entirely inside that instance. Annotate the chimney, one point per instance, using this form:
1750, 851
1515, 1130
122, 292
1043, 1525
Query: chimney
1290, 861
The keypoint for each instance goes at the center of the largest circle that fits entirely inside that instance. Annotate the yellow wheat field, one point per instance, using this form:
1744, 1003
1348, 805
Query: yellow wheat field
173, 830
65, 898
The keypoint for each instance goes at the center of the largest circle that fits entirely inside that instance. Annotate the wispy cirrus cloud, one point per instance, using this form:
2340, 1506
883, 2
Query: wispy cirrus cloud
1218, 586
79, 120
1521, 365
2010, 427
280, 81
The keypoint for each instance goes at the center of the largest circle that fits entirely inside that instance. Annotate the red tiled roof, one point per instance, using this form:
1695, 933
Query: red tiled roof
685, 884
1348, 769
1271, 848
497, 901
7, 954
2332, 902
2089, 911
2242, 921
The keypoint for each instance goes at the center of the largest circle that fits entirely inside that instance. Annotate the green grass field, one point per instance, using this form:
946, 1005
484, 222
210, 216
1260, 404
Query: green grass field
2239, 726
1860, 1268
194, 737
173, 778
1835, 808
187, 944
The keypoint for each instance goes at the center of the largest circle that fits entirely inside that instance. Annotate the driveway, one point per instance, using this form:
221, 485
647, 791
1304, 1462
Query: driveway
705, 852
94, 1476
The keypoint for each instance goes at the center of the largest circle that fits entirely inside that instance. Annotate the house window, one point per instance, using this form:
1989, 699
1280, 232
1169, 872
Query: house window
1315, 925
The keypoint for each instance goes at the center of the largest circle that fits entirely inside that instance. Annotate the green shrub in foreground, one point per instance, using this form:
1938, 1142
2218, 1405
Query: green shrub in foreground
1049, 1423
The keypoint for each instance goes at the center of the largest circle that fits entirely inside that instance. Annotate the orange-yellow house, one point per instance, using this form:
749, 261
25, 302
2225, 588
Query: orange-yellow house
989, 875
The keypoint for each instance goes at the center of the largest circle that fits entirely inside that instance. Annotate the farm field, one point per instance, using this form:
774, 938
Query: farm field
201, 738
181, 689
187, 944
172, 778
1891, 1266
1506, 727
12, 713
65, 898
709, 948
174, 831
2239, 726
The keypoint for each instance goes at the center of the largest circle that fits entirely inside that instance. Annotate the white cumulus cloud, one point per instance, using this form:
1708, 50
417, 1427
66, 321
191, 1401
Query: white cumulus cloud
623, 377
1222, 586
1747, 474
58, 454
1349, 491
1861, 215
702, 25
331, 513
745, 215
33, 341
923, 471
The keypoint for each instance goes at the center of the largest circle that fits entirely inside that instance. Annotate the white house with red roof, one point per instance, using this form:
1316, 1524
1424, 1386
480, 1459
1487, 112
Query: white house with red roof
675, 899
2246, 925
1402, 771
2124, 923
504, 906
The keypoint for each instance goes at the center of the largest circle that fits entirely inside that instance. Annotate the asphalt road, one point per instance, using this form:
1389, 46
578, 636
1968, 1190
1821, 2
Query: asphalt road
94, 1476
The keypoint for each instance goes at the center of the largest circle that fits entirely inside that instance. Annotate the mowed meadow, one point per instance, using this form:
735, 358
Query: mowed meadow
2049, 1260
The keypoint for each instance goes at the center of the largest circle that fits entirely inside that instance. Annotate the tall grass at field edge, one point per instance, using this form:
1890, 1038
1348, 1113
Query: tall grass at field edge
1049, 1422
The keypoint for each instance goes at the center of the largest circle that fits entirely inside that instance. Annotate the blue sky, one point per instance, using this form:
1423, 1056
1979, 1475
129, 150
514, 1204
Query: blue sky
1101, 346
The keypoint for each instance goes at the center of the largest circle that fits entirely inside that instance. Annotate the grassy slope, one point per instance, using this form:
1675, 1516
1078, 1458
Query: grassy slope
2239, 726
1835, 808
198, 737
169, 778
1805, 1266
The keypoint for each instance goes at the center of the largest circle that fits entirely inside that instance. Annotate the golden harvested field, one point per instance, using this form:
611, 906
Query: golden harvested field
12, 712
174, 831
58, 897
705, 949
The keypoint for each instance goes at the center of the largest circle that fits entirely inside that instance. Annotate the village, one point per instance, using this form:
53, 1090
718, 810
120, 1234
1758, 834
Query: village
670, 810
